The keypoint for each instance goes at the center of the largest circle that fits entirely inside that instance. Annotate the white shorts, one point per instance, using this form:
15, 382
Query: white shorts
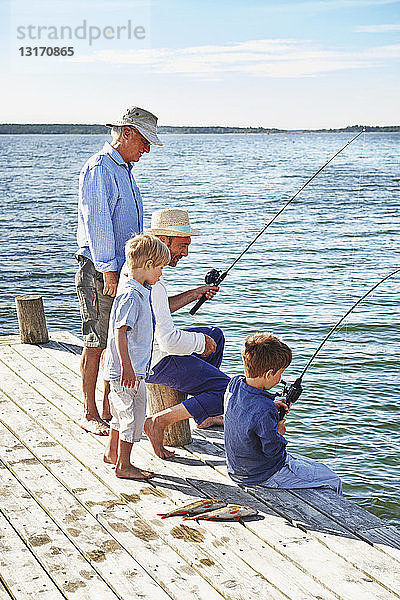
128, 409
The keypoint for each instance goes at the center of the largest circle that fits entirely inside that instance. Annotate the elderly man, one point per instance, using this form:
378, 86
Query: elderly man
184, 359
110, 211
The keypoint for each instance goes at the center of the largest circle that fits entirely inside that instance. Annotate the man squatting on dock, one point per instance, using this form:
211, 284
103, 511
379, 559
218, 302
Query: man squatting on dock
187, 360
110, 211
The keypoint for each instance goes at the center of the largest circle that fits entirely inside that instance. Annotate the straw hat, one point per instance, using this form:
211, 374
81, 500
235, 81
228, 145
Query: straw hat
142, 120
171, 222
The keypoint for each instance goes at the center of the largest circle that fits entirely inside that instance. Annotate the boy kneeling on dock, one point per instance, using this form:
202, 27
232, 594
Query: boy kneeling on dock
255, 446
128, 353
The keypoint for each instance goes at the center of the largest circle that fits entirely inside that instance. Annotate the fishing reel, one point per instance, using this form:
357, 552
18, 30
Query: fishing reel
213, 277
289, 395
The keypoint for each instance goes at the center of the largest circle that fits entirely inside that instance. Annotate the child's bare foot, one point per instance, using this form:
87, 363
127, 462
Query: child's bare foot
109, 459
132, 472
210, 421
95, 425
155, 433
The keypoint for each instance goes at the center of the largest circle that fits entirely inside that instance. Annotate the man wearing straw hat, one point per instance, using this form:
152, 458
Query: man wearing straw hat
110, 211
184, 359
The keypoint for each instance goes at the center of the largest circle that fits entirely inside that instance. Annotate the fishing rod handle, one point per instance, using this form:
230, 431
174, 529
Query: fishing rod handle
199, 303
282, 412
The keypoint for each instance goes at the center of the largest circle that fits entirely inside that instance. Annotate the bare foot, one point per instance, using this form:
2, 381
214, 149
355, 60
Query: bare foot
110, 460
155, 433
95, 425
210, 421
132, 472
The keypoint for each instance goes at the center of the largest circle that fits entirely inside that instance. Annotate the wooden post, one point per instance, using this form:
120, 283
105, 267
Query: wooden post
32, 322
161, 397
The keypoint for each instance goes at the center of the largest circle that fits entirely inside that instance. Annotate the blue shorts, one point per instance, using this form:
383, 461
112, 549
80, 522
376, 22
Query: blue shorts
299, 472
197, 376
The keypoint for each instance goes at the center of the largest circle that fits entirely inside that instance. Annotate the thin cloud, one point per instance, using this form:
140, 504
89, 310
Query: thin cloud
258, 58
377, 28
323, 5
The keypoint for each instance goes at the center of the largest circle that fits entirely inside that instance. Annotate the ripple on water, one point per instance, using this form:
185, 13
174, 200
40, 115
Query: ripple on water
336, 239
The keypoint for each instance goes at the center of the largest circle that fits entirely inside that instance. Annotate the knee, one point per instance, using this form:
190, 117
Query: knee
217, 334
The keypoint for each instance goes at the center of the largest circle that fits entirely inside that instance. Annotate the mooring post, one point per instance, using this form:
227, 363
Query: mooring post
31, 319
161, 397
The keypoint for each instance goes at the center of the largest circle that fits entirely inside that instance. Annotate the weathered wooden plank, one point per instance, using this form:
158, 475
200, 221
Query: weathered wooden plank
353, 517
106, 556
69, 339
133, 533
202, 558
33, 367
55, 552
9, 339
216, 565
21, 573
338, 539
196, 471
385, 539
215, 434
4, 595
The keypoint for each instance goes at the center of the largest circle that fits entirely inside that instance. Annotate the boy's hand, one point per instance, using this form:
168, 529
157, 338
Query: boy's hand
210, 346
281, 427
280, 404
128, 377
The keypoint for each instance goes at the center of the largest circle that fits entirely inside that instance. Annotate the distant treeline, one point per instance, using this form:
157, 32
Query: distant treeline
78, 128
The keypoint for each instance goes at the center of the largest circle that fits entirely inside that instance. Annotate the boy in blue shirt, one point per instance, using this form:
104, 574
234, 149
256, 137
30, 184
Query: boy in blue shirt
128, 354
254, 443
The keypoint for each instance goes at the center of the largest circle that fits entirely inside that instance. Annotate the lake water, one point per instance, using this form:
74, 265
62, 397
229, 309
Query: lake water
338, 238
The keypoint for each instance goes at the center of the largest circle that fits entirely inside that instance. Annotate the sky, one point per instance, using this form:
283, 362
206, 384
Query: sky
289, 64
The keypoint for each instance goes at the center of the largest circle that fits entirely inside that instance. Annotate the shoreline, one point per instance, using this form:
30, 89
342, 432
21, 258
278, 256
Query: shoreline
81, 129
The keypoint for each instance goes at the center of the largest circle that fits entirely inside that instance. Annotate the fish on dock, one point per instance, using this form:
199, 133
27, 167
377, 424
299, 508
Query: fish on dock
198, 507
228, 513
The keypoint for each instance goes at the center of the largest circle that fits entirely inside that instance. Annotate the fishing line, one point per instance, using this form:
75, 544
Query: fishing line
215, 277
293, 392
354, 246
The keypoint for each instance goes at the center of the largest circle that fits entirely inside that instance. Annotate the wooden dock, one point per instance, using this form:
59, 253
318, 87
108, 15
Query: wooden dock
71, 530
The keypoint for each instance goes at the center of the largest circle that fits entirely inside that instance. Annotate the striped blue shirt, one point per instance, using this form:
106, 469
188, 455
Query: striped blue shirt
110, 209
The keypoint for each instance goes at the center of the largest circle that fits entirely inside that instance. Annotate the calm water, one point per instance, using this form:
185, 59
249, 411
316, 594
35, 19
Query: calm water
338, 238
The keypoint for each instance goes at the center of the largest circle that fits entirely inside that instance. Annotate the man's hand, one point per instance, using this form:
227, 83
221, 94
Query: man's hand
210, 346
180, 300
208, 290
128, 377
281, 427
110, 283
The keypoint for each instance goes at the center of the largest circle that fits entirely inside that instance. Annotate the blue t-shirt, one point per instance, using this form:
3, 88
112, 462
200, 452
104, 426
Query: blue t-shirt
131, 307
254, 448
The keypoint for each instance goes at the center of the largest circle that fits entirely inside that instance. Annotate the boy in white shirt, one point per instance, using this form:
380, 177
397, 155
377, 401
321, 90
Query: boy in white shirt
129, 347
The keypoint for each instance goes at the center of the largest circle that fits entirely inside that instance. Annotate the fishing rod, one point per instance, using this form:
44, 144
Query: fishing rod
216, 277
292, 392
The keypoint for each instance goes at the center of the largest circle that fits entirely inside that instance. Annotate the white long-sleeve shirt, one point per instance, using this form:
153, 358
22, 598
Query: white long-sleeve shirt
167, 338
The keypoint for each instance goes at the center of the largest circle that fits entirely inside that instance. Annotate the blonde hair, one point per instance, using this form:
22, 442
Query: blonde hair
144, 247
262, 352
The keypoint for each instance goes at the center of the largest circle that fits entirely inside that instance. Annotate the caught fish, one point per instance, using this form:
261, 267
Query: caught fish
232, 513
201, 506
